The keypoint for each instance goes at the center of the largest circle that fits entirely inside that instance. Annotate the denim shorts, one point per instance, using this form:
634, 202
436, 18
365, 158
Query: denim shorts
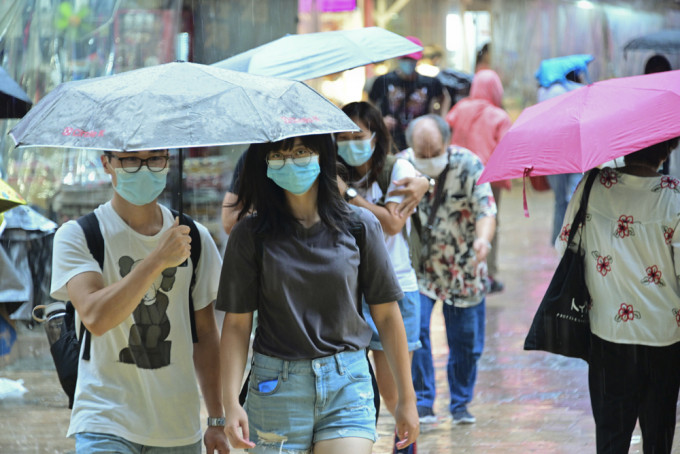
292, 405
89, 443
409, 306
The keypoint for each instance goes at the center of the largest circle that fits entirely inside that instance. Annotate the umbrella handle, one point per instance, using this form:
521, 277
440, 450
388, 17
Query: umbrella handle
527, 171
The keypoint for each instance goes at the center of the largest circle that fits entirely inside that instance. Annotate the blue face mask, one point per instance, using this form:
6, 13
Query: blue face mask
407, 66
141, 187
356, 152
294, 178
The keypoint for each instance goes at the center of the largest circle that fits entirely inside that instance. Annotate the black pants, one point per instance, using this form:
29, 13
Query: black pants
628, 382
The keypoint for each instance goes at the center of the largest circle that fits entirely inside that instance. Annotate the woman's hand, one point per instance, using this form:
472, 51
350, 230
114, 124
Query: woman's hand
413, 189
408, 424
236, 427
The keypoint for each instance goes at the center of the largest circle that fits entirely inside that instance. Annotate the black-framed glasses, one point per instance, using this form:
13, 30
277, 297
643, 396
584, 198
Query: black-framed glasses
300, 157
131, 164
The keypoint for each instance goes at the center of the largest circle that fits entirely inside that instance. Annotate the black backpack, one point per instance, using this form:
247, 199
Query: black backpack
66, 350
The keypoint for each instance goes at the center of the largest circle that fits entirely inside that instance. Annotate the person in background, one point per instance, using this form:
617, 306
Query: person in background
300, 262
463, 216
365, 156
138, 391
478, 123
404, 94
656, 64
631, 244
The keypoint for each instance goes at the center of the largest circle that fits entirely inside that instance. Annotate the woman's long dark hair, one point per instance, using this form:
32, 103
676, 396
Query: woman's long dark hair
373, 119
259, 192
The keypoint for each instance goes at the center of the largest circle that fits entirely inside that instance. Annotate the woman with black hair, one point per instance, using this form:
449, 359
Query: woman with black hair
371, 171
631, 240
300, 263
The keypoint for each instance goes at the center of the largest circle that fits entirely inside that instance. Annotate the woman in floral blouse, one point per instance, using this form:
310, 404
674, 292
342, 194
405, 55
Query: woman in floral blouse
632, 263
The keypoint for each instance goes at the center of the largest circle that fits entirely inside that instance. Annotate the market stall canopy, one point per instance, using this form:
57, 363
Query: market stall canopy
176, 105
589, 126
556, 69
14, 102
310, 55
661, 41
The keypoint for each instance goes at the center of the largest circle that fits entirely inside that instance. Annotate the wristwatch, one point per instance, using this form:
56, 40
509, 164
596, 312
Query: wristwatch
350, 193
215, 422
431, 181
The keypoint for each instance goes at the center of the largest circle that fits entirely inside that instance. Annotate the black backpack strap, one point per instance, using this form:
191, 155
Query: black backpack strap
195, 256
95, 243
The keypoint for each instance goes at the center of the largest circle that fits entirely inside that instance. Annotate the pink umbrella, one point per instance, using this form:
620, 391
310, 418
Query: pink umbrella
588, 126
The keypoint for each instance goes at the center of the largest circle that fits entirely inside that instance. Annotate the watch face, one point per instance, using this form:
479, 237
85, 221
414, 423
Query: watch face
351, 193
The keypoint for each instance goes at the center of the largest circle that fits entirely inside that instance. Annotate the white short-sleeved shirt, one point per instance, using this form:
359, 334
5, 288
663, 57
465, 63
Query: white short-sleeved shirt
397, 245
147, 393
632, 248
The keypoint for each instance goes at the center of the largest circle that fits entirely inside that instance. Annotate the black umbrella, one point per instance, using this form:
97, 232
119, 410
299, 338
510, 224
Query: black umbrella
14, 102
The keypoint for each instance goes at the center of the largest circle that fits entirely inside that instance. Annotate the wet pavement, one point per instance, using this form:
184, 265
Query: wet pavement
525, 402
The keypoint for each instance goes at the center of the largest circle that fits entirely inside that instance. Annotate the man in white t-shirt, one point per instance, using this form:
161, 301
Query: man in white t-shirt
138, 391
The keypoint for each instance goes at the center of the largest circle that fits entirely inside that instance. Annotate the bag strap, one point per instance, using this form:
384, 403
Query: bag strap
95, 243
438, 191
580, 217
195, 256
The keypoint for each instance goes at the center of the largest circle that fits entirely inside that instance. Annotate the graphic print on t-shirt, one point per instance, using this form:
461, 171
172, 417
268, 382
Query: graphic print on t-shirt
147, 345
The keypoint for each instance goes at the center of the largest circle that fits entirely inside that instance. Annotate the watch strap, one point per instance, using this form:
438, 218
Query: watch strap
215, 422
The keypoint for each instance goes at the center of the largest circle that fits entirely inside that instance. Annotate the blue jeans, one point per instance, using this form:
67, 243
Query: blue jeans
465, 336
563, 187
292, 405
89, 443
409, 306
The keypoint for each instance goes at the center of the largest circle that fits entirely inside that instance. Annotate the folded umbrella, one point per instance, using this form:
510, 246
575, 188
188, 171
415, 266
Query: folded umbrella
310, 55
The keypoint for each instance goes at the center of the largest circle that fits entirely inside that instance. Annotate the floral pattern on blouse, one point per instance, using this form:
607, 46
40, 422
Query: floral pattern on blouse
653, 276
450, 272
667, 182
624, 227
627, 313
608, 177
632, 239
604, 263
668, 234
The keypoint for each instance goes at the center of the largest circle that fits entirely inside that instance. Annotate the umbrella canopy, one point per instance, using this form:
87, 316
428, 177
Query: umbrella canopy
9, 198
556, 69
661, 41
588, 126
176, 105
14, 102
311, 55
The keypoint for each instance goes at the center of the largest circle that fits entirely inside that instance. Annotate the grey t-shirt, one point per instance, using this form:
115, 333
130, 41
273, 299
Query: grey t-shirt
311, 287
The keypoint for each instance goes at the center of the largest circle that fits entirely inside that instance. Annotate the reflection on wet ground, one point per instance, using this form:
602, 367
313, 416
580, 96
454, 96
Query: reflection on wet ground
525, 402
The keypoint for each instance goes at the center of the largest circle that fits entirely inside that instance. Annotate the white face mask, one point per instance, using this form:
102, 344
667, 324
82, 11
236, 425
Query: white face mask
432, 167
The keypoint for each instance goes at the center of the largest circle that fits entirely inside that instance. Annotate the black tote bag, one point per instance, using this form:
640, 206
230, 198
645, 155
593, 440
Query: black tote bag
561, 324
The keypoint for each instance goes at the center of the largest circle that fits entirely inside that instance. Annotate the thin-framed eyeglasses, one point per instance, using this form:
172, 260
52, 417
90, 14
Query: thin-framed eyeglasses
301, 157
131, 164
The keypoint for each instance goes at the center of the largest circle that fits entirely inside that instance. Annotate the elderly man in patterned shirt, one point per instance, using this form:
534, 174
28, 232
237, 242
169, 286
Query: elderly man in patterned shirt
454, 269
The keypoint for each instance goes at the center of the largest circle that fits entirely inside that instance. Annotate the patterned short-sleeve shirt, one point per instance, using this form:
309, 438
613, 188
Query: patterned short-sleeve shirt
632, 248
450, 272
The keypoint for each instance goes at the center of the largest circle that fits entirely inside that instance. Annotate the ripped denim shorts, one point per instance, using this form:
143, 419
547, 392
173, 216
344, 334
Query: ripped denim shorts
292, 405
